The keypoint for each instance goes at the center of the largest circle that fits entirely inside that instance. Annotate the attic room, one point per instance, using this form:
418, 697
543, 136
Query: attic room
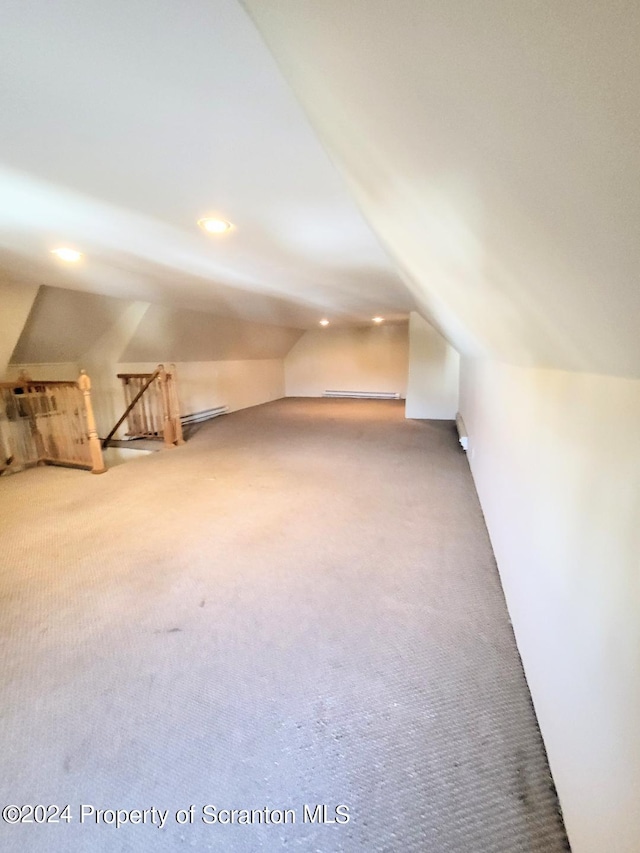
382, 261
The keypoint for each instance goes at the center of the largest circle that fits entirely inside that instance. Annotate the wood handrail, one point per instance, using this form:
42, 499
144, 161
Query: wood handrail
153, 376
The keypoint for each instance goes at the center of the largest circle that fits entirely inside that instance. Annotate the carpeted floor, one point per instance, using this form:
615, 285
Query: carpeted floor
300, 606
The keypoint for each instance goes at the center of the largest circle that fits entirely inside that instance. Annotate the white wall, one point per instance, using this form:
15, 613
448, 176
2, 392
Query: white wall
434, 369
556, 461
208, 384
372, 358
201, 385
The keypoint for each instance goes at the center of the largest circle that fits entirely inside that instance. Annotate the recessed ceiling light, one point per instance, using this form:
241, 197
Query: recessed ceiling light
214, 226
324, 322
378, 319
69, 255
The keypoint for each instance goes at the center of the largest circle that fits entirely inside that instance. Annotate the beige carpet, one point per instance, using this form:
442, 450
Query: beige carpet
300, 606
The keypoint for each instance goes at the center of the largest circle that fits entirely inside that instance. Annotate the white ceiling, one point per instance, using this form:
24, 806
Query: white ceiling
124, 122
493, 149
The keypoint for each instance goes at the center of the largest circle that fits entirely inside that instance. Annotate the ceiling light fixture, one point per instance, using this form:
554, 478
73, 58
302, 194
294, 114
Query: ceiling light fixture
324, 322
69, 255
378, 319
214, 226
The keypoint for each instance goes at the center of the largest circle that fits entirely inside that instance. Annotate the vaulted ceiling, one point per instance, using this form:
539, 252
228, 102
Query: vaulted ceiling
478, 161
124, 123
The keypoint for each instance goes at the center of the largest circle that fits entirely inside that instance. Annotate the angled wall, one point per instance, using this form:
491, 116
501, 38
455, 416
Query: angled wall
16, 301
495, 155
172, 334
63, 324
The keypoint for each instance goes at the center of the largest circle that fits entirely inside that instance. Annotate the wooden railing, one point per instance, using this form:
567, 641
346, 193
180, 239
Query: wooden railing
51, 423
152, 407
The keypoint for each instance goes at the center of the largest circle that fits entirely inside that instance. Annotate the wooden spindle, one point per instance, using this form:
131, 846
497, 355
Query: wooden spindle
144, 415
7, 450
138, 411
30, 399
134, 426
66, 416
132, 420
126, 387
157, 403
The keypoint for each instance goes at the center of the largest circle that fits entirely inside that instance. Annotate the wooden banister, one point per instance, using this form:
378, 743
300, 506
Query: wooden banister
97, 462
152, 409
131, 405
48, 423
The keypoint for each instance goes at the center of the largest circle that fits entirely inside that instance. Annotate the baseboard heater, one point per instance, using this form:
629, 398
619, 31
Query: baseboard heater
372, 395
204, 415
462, 432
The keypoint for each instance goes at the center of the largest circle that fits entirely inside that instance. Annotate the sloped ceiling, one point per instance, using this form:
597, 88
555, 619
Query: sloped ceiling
63, 325
495, 149
123, 123
487, 152
174, 335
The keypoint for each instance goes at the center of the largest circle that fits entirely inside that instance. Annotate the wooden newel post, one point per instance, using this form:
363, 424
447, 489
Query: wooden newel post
167, 426
97, 462
28, 409
175, 406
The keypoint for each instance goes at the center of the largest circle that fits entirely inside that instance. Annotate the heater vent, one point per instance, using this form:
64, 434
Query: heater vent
204, 415
372, 395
